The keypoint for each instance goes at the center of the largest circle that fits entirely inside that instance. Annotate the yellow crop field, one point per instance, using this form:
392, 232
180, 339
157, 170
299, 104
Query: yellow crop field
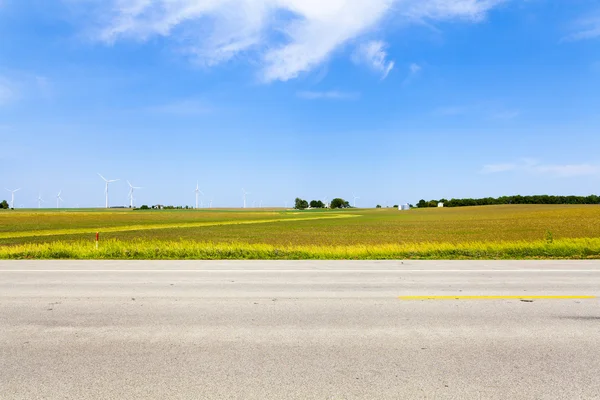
487, 232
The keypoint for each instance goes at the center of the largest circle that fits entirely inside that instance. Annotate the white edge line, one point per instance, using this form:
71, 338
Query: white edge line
305, 271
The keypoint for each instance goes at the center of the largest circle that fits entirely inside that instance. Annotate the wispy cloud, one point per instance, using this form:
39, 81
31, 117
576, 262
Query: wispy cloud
287, 37
332, 95
585, 28
535, 167
373, 55
187, 107
414, 70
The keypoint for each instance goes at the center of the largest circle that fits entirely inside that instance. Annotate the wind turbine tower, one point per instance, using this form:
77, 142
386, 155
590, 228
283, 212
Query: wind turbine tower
355, 197
106, 189
245, 193
58, 199
131, 187
197, 192
40, 200
12, 197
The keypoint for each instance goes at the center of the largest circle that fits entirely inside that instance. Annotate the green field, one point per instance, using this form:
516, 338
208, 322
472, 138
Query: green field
487, 232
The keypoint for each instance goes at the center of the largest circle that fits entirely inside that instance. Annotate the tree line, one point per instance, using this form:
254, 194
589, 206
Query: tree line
535, 199
300, 204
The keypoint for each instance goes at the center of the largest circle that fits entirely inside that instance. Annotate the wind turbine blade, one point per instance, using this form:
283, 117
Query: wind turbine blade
201, 193
102, 177
59, 192
16, 190
112, 180
129, 183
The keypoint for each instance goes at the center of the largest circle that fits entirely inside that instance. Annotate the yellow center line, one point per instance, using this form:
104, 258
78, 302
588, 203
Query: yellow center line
524, 297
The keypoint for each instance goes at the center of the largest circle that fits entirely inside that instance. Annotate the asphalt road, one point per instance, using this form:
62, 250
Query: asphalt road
297, 330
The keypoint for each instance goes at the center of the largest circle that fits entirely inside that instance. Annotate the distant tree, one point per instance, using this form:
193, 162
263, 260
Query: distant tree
145, 207
4, 204
395, 205
339, 203
316, 204
300, 204
378, 206
517, 199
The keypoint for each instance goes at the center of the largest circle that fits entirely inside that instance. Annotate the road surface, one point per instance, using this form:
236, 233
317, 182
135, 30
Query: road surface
298, 330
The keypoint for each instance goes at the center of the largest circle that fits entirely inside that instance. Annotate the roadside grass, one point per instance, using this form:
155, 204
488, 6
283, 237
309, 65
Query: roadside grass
588, 248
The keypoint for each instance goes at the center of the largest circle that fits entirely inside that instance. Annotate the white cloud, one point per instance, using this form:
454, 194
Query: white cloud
568, 170
587, 28
414, 68
373, 55
535, 167
333, 94
413, 71
287, 37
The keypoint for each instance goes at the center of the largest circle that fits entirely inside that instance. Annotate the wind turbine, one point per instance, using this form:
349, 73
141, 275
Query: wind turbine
106, 190
197, 191
12, 198
260, 204
210, 205
131, 187
325, 202
245, 193
58, 198
355, 197
40, 200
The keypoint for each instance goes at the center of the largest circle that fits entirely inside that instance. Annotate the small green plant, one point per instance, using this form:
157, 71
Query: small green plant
549, 238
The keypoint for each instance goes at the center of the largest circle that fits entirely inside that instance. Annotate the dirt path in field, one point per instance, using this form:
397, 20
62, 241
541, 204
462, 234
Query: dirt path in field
127, 228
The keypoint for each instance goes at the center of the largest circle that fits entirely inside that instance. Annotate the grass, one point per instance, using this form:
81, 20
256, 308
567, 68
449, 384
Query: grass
161, 250
489, 232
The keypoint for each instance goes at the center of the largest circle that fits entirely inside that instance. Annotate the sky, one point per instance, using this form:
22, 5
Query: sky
390, 101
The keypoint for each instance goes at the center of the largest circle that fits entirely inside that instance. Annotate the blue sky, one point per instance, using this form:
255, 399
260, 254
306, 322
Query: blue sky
393, 100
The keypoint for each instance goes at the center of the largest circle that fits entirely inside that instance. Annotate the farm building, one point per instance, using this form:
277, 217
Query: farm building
440, 205
404, 207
